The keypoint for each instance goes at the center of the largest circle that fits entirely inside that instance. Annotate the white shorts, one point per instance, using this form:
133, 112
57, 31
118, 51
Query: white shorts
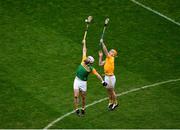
110, 80
80, 84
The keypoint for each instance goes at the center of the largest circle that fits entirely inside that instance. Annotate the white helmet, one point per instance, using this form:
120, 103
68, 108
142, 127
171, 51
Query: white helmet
91, 59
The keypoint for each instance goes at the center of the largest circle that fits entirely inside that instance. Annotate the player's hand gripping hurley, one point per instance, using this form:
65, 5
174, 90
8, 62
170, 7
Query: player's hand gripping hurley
104, 29
87, 21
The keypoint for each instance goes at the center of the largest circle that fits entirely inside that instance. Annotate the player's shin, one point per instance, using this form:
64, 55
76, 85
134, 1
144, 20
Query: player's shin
76, 102
83, 102
115, 98
110, 98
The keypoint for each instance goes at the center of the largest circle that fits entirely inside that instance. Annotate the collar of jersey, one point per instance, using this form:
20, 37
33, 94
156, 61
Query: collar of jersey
86, 67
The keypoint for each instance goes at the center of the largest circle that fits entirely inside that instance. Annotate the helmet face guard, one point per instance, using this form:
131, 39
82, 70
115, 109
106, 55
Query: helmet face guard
90, 59
86, 61
114, 52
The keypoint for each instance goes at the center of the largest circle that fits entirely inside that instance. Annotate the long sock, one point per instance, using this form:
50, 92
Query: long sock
114, 98
115, 102
110, 101
76, 103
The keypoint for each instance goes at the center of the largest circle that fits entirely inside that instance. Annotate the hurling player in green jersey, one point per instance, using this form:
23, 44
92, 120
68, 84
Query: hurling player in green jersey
80, 81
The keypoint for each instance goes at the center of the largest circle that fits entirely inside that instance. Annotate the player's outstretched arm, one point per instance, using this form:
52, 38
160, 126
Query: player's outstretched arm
99, 77
84, 48
101, 62
104, 48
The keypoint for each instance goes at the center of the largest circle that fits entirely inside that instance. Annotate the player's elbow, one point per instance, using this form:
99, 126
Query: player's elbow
98, 76
84, 51
100, 64
106, 53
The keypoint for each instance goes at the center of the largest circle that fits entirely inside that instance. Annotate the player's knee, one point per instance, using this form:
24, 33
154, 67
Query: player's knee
75, 97
114, 92
83, 97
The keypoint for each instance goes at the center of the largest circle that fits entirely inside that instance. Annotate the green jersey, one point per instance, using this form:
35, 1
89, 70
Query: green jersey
83, 71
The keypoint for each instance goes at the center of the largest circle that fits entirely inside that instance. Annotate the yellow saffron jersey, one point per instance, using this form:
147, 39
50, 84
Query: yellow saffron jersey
109, 65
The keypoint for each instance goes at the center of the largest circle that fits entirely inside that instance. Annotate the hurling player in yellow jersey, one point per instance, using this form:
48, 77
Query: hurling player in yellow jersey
109, 78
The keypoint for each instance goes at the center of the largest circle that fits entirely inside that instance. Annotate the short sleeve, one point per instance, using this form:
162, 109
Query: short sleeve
108, 56
94, 71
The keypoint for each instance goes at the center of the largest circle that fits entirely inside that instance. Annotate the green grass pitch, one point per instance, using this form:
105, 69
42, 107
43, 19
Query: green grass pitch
40, 49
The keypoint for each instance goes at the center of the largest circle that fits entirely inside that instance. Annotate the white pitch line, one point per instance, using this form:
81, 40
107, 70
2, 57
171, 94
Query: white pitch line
103, 99
156, 12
